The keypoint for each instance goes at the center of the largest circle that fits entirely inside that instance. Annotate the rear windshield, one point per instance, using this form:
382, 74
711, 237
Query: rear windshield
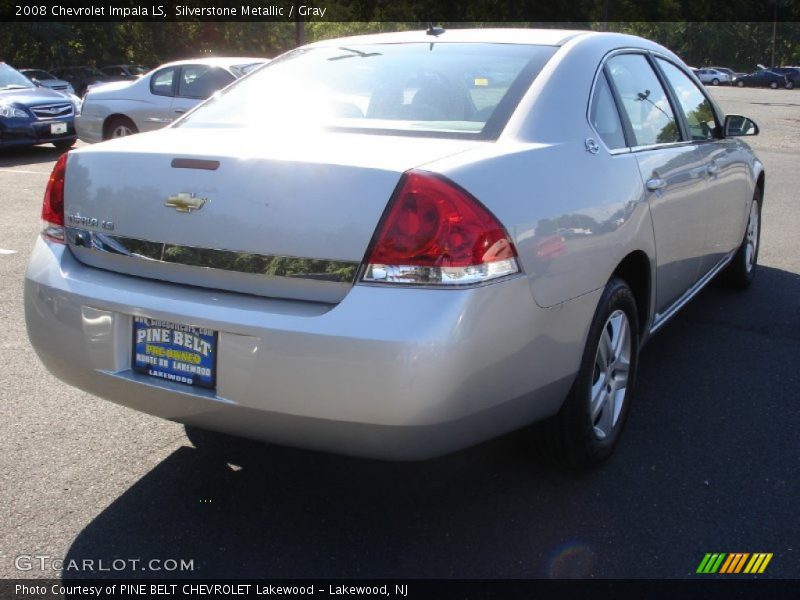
428, 89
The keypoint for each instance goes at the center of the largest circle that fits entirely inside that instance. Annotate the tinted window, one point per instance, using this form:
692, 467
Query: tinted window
451, 89
604, 115
694, 104
644, 100
200, 81
161, 82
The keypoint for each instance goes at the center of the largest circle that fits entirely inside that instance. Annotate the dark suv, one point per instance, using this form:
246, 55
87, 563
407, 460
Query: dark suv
31, 115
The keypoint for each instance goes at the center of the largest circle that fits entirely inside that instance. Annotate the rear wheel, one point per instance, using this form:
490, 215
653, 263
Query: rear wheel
119, 127
740, 83
588, 426
773, 85
789, 85
741, 271
715, 81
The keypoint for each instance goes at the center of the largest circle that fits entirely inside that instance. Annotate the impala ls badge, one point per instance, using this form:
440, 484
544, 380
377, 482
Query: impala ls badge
185, 202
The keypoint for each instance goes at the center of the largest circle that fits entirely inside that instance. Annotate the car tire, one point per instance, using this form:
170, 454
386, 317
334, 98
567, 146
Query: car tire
715, 81
117, 127
773, 85
741, 271
789, 85
64, 144
586, 430
740, 83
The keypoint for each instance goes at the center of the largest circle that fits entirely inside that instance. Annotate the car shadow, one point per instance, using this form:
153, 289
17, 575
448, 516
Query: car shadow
696, 471
28, 155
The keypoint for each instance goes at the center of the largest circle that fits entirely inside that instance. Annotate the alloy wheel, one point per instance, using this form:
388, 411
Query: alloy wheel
751, 238
610, 378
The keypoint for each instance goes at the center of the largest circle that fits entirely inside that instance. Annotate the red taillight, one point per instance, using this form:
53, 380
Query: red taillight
436, 232
53, 203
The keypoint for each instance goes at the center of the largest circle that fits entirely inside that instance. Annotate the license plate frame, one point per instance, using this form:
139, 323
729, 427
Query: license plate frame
58, 128
167, 351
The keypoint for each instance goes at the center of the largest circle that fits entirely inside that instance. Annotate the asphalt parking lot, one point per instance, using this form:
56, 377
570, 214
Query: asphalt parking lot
709, 461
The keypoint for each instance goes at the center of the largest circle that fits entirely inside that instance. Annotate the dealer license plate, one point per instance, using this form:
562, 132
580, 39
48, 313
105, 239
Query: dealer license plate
58, 128
173, 352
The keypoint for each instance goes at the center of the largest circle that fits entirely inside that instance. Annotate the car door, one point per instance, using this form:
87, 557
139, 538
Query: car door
671, 169
195, 84
726, 193
156, 112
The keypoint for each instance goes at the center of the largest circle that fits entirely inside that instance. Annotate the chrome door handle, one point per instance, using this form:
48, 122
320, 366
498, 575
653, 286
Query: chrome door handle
180, 111
656, 183
712, 168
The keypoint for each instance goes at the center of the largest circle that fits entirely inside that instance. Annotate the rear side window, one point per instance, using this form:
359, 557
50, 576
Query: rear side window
604, 116
200, 81
644, 100
694, 104
161, 82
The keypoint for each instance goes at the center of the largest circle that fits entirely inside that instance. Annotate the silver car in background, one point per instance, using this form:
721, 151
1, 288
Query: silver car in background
400, 245
713, 76
156, 99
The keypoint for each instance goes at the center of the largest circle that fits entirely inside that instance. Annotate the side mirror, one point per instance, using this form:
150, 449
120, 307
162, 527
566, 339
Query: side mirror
737, 125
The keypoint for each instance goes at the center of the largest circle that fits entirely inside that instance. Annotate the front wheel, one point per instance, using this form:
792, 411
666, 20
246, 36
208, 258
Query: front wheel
588, 426
789, 85
741, 271
715, 81
740, 83
773, 85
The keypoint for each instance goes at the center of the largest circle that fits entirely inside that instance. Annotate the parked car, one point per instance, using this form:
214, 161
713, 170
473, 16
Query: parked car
359, 249
764, 78
156, 99
731, 73
792, 75
81, 77
125, 71
32, 115
713, 76
42, 77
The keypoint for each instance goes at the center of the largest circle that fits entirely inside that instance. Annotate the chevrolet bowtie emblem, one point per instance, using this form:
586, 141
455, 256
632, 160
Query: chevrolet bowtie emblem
185, 202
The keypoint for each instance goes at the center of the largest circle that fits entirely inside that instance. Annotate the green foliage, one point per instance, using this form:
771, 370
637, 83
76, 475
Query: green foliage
737, 45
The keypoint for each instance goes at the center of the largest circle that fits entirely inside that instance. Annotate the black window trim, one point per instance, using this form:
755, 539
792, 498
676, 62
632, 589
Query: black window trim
680, 113
629, 138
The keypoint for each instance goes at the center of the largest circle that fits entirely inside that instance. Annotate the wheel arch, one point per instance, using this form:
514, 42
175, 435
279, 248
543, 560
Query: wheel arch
110, 118
636, 270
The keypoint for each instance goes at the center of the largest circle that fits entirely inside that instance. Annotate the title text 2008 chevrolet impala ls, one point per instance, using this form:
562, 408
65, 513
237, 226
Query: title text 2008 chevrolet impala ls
400, 245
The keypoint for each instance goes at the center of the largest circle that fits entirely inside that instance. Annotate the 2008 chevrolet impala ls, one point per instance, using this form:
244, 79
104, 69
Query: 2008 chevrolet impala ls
400, 245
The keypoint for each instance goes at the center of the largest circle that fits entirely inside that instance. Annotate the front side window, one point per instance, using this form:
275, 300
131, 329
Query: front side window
644, 100
161, 84
694, 104
604, 115
453, 89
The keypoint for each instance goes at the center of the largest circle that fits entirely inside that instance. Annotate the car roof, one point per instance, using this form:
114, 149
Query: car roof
220, 61
542, 37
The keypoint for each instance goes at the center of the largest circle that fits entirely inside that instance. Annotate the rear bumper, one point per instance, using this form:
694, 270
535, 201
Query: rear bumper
386, 373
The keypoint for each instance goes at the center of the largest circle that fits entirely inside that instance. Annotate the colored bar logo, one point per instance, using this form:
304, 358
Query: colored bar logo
733, 563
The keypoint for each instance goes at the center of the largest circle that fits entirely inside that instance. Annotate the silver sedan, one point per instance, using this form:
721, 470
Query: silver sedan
400, 245
156, 99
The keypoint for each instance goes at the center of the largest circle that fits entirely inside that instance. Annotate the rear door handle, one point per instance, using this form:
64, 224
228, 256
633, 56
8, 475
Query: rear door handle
656, 183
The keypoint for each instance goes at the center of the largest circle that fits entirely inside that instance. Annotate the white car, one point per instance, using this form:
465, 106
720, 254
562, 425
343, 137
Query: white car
156, 99
713, 76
